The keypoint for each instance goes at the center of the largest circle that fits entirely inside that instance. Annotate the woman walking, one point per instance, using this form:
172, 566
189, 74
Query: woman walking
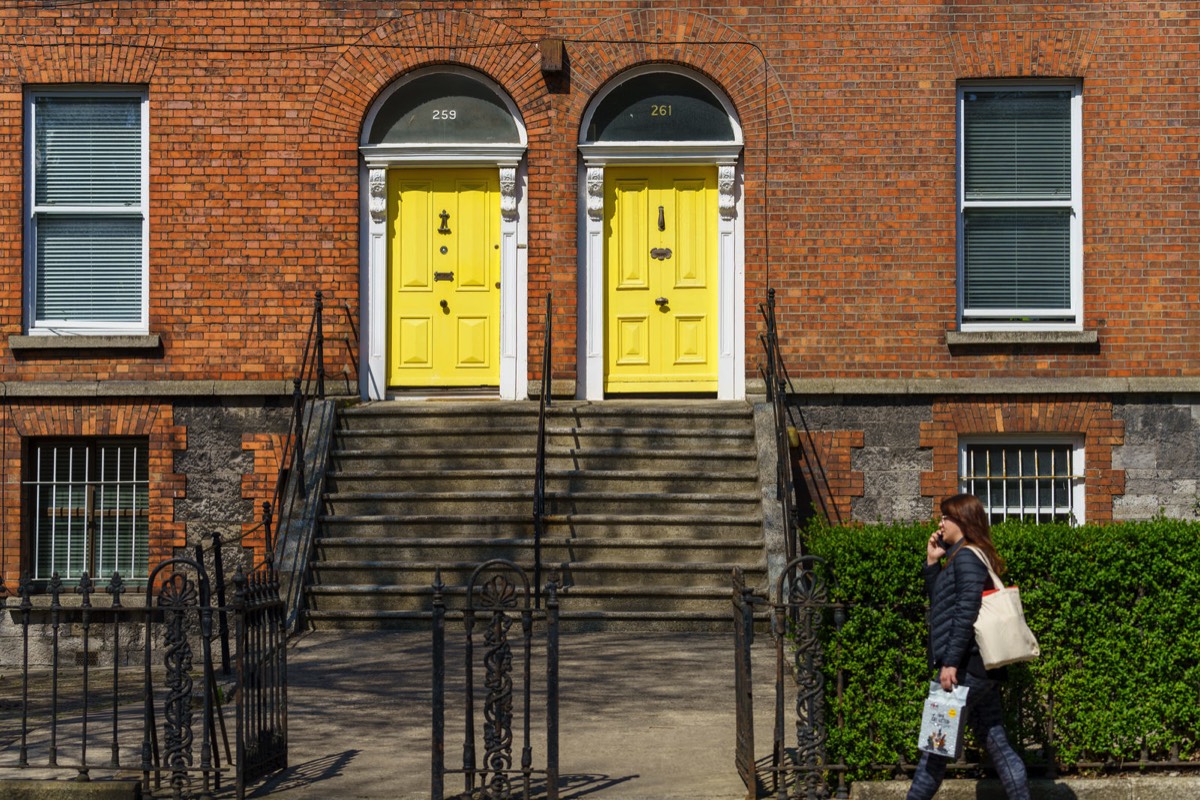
955, 590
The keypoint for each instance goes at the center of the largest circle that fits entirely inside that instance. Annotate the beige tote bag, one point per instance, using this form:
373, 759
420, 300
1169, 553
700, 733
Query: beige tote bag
1000, 629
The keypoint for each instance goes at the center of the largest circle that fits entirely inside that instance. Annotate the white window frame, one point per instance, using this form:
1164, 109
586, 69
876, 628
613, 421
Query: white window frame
50, 327
1077, 483
1003, 319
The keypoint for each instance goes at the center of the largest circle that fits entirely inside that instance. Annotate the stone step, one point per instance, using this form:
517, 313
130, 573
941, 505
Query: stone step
414, 503
525, 458
688, 414
417, 597
570, 620
592, 573
557, 481
650, 507
458, 439
555, 549
699, 526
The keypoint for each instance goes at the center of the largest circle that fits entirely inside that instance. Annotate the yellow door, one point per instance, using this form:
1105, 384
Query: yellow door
660, 262
444, 270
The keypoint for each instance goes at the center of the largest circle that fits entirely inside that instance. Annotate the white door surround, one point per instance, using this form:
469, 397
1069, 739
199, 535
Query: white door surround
731, 316
508, 159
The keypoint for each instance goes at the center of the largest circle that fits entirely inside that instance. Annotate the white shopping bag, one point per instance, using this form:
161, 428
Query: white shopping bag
942, 721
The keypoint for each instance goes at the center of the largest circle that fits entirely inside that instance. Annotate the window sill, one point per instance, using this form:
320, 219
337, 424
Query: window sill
989, 338
40, 343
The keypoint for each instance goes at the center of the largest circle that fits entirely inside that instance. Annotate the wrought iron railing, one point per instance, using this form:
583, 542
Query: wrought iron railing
292, 485
500, 621
310, 384
774, 373
142, 717
792, 436
539, 479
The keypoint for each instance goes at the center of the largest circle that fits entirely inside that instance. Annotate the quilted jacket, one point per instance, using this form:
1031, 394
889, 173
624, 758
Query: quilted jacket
955, 594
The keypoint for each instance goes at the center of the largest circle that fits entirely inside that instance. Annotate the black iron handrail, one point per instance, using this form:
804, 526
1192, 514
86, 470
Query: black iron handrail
539, 475
774, 373
292, 485
310, 384
791, 433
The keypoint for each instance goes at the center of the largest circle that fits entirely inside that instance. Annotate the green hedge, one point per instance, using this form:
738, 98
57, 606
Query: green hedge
1114, 607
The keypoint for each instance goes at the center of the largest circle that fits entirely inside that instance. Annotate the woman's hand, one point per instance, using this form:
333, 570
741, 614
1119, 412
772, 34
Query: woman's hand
948, 678
933, 548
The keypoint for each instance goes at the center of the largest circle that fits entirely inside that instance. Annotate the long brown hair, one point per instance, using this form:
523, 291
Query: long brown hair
972, 518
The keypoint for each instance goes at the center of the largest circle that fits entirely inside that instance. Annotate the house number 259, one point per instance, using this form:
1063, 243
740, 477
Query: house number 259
444, 113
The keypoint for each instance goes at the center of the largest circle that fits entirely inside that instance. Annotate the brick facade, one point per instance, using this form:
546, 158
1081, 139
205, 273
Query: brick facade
847, 204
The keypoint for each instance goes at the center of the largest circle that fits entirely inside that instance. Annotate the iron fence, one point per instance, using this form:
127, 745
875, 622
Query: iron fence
141, 717
499, 596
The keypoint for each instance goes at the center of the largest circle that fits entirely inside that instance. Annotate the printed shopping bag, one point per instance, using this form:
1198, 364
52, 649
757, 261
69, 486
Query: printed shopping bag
942, 721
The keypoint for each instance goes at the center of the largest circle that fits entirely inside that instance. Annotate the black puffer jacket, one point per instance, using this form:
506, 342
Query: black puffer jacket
955, 593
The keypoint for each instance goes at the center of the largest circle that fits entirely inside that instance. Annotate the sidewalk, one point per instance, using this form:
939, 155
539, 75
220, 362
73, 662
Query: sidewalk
642, 716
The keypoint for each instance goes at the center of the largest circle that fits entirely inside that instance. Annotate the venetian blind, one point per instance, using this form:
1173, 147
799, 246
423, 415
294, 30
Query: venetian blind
88, 210
1017, 145
1017, 258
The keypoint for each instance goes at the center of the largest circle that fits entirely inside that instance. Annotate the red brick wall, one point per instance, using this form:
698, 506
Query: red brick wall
33, 418
259, 487
1092, 418
822, 461
849, 114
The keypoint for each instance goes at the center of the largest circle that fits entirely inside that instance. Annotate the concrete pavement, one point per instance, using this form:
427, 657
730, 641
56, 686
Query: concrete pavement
643, 717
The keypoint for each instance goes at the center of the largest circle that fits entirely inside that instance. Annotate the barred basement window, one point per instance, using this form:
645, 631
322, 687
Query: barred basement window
88, 508
1034, 481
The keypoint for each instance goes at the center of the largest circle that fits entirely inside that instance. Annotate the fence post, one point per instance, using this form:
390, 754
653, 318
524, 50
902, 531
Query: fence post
318, 313
437, 787
239, 627
552, 690
85, 588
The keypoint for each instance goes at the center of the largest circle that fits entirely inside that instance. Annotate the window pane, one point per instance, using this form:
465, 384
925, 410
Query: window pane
121, 511
89, 269
88, 151
60, 521
90, 509
661, 106
1022, 482
1019, 258
441, 109
1017, 144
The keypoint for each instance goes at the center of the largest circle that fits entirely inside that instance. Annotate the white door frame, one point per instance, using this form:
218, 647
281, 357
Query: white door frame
509, 160
731, 269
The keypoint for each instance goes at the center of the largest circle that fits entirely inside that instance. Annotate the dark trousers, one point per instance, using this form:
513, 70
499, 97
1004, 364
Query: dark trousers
986, 721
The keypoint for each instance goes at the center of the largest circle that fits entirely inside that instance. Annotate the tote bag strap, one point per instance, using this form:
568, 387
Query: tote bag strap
995, 578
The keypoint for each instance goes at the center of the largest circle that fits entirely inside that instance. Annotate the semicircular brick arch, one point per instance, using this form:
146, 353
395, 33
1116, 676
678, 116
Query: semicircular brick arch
419, 40
687, 39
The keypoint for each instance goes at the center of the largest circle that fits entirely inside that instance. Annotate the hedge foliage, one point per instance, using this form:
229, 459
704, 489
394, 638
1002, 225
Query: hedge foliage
1114, 607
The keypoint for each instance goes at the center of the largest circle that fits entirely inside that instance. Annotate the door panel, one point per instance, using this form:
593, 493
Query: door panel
444, 267
660, 261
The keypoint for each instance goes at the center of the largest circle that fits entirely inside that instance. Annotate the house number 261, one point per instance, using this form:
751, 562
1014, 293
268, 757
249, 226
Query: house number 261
660, 110
444, 113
